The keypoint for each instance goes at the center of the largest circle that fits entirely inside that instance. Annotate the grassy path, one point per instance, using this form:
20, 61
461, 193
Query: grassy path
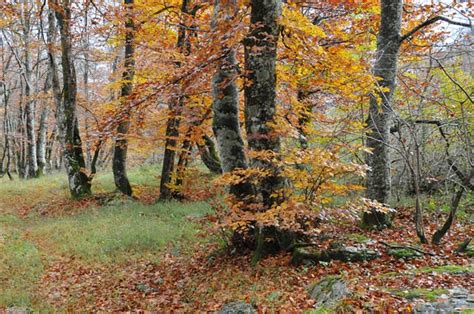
36, 238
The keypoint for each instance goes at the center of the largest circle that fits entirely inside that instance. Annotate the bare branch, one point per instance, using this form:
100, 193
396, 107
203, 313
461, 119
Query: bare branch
432, 21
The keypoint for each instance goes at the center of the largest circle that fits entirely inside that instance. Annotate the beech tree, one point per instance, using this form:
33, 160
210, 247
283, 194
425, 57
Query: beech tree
119, 161
225, 106
260, 92
381, 111
79, 183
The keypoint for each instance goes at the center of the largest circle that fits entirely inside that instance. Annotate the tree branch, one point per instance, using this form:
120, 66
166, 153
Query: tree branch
432, 21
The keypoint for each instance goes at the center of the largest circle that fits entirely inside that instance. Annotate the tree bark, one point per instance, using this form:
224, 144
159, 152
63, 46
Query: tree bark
380, 110
42, 141
172, 126
172, 133
260, 92
225, 106
119, 163
30, 105
79, 184
209, 156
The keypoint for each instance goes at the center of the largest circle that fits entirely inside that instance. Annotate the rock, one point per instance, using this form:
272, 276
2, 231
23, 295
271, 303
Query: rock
404, 253
459, 300
335, 252
238, 307
328, 291
459, 293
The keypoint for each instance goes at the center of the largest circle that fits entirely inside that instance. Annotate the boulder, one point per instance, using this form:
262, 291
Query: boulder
328, 291
335, 252
458, 301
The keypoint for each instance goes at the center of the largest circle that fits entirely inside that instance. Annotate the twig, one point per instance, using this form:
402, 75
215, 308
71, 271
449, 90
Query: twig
406, 247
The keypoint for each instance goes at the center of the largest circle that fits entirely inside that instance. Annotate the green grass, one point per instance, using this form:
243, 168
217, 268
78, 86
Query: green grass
20, 266
112, 232
17, 194
118, 233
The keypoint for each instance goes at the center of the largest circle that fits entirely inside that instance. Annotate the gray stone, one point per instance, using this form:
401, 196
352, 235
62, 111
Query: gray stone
458, 300
238, 307
328, 291
336, 251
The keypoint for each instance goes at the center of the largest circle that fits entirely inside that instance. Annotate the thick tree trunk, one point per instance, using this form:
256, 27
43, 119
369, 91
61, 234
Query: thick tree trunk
79, 184
260, 92
225, 107
380, 110
119, 164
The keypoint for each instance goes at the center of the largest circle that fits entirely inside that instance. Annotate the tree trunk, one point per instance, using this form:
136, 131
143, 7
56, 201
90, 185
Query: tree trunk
30, 105
172, 132
79, 184
172, 126
209, 156
439, 234
58, 131
225, 106
380, 110
42, 141
119, 163
260, 92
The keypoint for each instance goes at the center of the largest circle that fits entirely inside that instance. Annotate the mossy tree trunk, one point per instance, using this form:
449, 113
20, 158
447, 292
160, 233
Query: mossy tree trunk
119, 163
260, 92
79, 183
380, 110
225, 106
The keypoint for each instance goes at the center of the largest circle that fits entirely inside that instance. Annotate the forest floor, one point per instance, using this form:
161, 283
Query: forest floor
107, 253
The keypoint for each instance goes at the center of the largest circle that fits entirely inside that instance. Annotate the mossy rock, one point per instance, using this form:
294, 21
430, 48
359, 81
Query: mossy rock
328, 291
420, 293
358, 237
339, 252
404, 253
